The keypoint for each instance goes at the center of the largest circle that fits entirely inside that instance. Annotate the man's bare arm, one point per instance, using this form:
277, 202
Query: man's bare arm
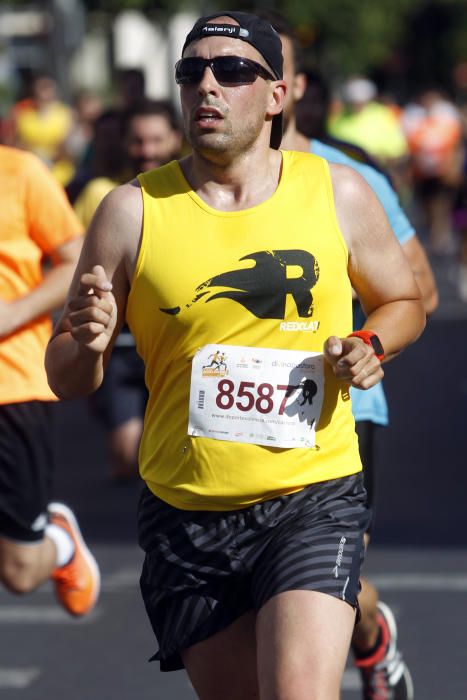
48, 295
380, 274
96, 304
421, 268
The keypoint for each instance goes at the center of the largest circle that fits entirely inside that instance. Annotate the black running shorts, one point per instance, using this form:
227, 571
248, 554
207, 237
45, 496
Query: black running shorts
367, 432
26, 469
204, 569
122, 395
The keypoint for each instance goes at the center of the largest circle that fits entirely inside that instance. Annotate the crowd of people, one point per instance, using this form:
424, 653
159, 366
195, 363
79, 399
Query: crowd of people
255, 516
421, 144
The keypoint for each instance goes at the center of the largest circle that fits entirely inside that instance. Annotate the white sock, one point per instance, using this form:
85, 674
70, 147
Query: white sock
63, 543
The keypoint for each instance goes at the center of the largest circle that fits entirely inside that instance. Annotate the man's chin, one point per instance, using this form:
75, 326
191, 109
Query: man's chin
209, 141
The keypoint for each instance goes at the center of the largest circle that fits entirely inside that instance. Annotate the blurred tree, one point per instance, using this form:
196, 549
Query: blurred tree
349, 36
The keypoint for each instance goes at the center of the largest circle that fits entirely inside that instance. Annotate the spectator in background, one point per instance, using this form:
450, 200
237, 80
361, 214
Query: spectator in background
38, 539
312, 115
87, 108
41, 123
367, 123
104, 162
152, 135
131, 87
434, 132
150, 138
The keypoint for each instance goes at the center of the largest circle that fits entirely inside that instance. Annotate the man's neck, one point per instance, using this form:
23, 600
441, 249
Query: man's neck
293, 140
240, 184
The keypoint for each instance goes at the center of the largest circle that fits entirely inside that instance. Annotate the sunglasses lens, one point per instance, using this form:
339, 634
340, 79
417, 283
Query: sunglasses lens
233, 69
189, 71
227, 69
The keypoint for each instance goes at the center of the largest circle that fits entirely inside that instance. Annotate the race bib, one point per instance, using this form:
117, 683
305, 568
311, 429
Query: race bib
256, 395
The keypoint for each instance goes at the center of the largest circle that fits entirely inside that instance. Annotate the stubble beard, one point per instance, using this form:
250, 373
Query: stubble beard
225, 146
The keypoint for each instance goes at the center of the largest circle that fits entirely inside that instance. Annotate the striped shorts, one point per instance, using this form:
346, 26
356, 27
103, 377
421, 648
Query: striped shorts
204, 569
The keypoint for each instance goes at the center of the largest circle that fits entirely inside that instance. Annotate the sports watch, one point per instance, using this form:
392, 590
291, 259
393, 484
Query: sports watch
371, 339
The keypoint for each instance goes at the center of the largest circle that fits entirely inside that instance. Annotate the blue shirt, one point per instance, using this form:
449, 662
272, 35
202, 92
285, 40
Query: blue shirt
371, 404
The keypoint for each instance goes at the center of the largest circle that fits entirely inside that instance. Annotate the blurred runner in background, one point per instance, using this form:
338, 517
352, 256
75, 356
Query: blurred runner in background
38, 539
433, 127
41, 123
368, 123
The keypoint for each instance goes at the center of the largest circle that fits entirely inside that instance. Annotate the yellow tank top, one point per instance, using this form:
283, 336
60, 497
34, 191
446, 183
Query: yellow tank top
271, 276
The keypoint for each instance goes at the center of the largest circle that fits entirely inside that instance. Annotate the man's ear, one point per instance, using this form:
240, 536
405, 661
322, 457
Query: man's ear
276, 102
299, 86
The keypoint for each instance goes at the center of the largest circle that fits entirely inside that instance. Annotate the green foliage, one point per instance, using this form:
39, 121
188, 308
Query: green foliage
341, 36
349, 36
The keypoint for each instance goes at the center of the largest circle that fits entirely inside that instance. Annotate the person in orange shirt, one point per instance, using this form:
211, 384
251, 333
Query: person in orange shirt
38, 539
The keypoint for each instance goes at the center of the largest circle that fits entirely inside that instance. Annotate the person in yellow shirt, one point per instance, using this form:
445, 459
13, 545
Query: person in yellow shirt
254, 510
41, 124
368, 123
38, 539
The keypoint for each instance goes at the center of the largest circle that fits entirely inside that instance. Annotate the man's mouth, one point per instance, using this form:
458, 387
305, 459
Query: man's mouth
207, 116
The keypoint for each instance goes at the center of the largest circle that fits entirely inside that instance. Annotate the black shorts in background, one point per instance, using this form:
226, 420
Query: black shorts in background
122, 395
367, 432
26, 468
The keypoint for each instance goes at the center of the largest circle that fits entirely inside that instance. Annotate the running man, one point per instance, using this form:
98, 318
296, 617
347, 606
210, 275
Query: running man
243, 537
215, 358
38, 539
384, 673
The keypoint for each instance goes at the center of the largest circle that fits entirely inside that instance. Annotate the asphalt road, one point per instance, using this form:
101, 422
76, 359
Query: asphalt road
46, 655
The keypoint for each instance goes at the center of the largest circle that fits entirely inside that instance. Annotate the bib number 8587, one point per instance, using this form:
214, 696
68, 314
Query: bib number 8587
249, 396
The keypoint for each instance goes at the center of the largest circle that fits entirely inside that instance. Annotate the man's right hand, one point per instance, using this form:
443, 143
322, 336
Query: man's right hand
92, 312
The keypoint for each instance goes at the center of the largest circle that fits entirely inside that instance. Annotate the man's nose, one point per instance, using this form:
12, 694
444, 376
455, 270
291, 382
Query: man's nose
208, 83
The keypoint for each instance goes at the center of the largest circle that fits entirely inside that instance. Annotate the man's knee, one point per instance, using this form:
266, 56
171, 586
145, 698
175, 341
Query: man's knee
124, 442
18, 565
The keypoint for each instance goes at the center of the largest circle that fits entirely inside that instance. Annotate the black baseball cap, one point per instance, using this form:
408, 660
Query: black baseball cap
255, 31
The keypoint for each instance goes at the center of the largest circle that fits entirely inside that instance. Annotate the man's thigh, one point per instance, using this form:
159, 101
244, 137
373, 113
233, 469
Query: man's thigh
295, 648
224, 665
303, 639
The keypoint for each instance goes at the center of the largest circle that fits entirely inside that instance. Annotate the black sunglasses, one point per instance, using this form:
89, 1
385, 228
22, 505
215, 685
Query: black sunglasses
227, 70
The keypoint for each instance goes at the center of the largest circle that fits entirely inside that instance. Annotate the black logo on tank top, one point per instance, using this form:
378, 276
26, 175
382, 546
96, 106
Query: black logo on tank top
263, 288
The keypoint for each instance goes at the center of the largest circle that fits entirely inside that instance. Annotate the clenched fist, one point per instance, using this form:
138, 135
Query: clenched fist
353, 361
92, 312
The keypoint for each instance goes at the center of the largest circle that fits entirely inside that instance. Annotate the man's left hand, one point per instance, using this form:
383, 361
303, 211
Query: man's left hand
353, 361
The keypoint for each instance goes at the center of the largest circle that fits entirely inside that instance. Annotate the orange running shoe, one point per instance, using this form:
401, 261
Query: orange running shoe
77, 584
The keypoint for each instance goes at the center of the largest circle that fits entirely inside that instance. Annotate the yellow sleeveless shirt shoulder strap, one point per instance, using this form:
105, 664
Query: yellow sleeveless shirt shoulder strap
269, 279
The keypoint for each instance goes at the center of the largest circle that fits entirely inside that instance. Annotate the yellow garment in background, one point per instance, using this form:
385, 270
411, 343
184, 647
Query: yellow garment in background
375, 128
185, 245
91, 196
43, 132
